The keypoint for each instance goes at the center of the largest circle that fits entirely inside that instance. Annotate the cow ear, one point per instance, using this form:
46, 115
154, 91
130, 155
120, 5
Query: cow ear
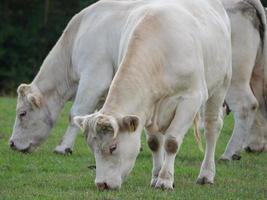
34, 100
23, 89
129, 123
80, 122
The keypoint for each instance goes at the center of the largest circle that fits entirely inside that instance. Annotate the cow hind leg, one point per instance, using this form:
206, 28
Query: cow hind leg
244, 105
213, 125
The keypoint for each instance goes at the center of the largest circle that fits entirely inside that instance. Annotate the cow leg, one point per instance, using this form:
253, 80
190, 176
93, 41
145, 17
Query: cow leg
90, 90
184, 116
240, 97
213, 125
66, 145
244, 105
155, 143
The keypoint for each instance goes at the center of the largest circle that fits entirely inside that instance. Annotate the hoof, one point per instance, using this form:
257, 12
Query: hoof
249, 150
224, 159
153, 182
236, 157
164, 184
204, 181
67, 151
252, 150
91, 167
164, 187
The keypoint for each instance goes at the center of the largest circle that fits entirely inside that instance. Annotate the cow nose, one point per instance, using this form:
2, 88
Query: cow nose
12, 144
102, 186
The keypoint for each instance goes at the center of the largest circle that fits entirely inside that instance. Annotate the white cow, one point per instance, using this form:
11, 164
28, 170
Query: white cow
80, 66
92, 39
174, 56
257, 139
247, 92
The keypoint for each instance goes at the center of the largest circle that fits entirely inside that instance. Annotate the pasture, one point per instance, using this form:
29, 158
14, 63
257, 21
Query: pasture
44, 175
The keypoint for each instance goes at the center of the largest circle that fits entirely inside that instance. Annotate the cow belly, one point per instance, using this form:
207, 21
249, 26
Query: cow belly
163, 115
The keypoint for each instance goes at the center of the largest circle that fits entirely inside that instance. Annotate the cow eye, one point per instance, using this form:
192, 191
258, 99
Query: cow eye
112, 148
22, 114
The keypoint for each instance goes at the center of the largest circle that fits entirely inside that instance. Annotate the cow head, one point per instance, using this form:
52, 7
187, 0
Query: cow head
115, 143
33, 120
257, 138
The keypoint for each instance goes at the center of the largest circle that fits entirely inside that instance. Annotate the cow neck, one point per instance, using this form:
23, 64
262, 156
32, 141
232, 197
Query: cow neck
134, 90
55, 79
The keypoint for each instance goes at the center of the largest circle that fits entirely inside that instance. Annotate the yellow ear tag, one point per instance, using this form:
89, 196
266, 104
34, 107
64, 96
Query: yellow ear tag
131, 128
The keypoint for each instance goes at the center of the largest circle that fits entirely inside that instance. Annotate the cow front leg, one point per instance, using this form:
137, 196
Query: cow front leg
244, 105
83, 104
89, 93
155, 143
67, 143
184, 116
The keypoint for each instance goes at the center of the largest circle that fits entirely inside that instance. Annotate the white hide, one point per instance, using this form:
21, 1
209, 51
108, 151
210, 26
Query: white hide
89, 48
170, 64
246, 95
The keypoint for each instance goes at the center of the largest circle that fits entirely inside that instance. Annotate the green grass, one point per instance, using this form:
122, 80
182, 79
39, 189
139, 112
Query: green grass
44, 175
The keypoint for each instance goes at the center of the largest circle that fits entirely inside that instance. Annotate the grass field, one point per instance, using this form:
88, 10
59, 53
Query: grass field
44, 175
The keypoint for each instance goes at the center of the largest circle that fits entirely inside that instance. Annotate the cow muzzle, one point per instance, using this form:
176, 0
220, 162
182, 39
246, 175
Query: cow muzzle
106, 186
29, 149
102, 186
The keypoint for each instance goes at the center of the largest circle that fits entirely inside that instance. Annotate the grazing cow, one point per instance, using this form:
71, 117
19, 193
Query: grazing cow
247, 94
89, 38
257, 139
174, 56
80, 66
